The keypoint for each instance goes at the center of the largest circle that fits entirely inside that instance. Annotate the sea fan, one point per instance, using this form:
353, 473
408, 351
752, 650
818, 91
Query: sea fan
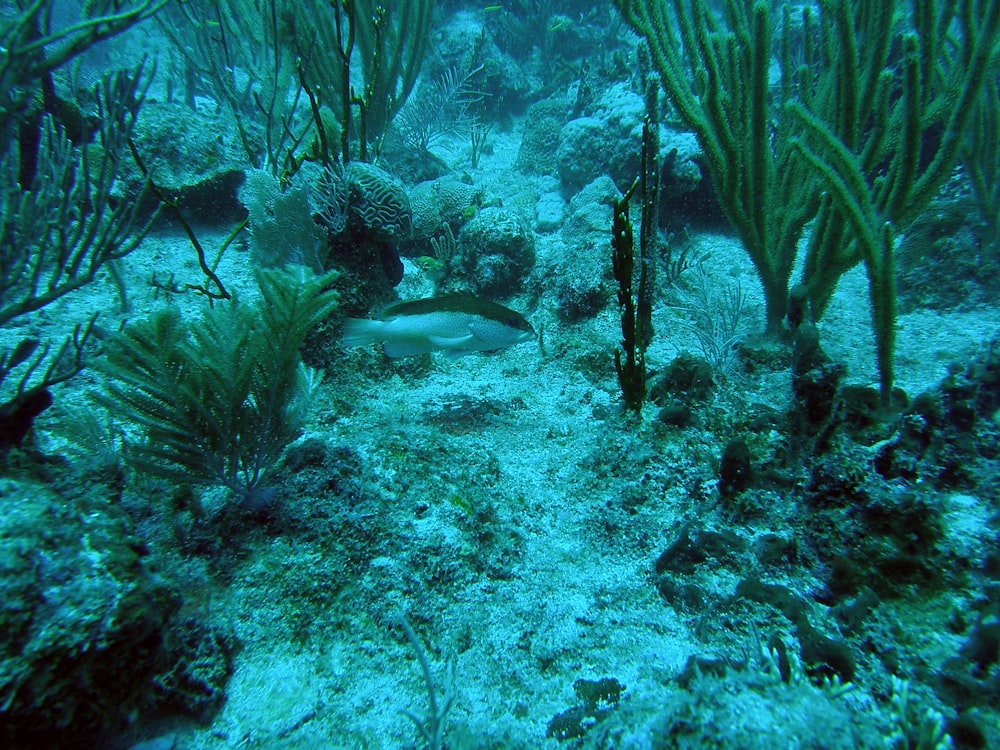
439, 110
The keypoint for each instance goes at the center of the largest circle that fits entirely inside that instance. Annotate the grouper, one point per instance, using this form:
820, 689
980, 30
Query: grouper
455, 324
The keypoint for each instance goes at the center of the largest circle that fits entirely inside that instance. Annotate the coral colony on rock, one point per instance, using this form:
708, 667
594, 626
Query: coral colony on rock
535, 374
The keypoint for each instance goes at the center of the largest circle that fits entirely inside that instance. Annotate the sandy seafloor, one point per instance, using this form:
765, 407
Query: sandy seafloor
518, 539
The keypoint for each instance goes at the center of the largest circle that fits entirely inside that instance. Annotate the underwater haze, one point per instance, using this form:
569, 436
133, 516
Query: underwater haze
539, 374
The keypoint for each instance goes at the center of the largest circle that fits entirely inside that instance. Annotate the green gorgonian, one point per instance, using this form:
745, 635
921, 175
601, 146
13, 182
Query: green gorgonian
219, 399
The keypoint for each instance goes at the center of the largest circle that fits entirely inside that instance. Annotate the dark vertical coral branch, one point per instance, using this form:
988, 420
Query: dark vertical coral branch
630, 360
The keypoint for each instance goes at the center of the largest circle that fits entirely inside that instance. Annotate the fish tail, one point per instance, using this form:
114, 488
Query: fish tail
360, 332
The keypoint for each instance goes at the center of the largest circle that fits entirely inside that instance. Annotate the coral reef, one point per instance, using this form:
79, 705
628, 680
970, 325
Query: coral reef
434, 203
89, 629
497, 252
724, 507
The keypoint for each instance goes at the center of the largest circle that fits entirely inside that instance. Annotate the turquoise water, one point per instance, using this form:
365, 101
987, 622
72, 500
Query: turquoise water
223, 527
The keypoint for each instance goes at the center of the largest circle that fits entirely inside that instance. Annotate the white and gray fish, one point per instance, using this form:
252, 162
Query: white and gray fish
455, 324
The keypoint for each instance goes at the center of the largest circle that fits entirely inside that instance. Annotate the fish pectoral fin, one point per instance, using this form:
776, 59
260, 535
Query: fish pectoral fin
452, 343
478, 330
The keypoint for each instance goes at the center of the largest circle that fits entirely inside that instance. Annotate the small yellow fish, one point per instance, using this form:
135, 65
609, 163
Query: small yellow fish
456, 324
434, 268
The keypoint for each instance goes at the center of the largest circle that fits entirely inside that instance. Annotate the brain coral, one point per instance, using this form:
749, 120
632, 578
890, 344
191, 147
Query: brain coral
379, 200
445, 200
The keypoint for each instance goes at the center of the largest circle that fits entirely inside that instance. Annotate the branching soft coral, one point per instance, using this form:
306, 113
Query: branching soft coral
218, 400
